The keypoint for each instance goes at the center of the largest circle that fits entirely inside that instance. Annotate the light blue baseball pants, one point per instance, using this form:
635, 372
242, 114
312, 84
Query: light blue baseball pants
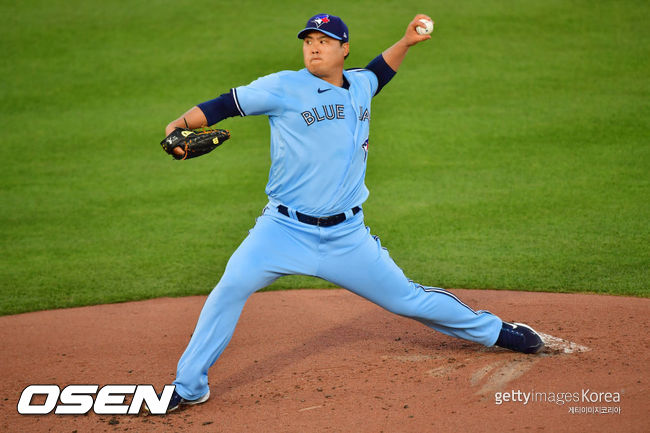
345, 254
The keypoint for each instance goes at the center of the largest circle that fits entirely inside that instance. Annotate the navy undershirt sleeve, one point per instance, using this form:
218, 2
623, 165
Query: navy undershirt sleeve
381, 69
219, 108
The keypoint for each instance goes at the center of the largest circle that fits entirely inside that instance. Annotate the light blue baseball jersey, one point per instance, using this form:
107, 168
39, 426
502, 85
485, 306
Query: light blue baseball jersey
319, 137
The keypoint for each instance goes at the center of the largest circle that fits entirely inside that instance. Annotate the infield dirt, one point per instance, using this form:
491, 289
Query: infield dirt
329, 361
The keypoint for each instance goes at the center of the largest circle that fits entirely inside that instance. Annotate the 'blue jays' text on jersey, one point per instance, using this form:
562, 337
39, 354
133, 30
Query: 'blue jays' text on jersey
319, 137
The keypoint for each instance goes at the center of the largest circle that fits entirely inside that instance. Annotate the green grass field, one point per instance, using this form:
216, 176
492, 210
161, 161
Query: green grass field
512, 151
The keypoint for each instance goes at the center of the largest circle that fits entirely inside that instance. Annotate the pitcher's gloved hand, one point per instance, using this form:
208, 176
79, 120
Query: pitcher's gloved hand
193, 142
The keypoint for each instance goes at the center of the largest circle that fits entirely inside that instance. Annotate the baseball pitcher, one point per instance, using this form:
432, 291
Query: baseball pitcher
313, 223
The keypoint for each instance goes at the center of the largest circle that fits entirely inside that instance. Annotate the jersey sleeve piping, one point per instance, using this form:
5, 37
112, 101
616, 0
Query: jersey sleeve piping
233, 91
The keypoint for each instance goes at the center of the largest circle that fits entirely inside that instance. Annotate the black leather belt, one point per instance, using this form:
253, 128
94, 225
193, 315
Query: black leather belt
318, 221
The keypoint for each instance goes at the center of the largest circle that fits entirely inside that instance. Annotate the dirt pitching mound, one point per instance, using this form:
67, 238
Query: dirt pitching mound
329, 361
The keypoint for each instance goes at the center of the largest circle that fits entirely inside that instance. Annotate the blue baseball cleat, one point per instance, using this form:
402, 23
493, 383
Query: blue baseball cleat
177, 401
520, 338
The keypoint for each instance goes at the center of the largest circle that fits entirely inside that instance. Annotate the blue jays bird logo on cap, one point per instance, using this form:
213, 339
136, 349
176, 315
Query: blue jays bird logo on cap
320, 20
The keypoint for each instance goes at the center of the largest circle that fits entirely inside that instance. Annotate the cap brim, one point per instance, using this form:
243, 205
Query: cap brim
304, 32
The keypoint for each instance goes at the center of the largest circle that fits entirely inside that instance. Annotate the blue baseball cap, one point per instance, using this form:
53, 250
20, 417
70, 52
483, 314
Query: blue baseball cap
330, 25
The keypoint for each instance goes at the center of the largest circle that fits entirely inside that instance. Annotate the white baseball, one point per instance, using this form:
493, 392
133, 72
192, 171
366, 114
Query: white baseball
428, 27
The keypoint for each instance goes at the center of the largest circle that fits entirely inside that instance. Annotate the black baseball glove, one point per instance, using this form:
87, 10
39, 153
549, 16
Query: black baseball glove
193, 142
